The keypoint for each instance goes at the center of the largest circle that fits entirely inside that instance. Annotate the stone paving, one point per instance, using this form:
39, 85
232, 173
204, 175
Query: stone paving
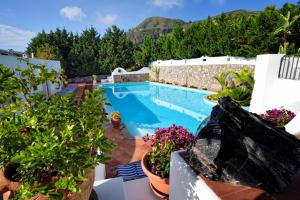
127, 150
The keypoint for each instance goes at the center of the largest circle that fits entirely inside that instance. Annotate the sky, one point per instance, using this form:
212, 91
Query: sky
20, 20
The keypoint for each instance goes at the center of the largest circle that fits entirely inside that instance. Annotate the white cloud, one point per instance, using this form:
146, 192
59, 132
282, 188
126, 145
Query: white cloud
72, 13
167, 3
14, 38
108, 19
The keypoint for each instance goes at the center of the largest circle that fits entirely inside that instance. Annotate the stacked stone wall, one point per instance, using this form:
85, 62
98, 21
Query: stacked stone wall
121, 78
197, 76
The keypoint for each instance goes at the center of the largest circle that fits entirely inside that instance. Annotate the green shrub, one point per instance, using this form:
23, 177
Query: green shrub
53, 143
237, 85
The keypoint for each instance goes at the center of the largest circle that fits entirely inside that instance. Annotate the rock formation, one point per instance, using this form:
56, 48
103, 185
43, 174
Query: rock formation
236, 146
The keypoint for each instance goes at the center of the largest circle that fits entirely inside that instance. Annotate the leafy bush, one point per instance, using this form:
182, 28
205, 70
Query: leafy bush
163, 142
280, 116
52, 143
237, 85
8, 88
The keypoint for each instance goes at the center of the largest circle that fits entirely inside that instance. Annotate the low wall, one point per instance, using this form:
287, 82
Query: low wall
184, 182
198, 76
205, 60
120, 78
86, 79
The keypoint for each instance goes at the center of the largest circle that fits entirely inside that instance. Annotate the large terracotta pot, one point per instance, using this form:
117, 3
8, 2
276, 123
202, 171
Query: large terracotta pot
160, 186
115, 122
7, 186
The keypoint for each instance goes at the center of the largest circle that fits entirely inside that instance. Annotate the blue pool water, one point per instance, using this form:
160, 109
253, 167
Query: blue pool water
145, 106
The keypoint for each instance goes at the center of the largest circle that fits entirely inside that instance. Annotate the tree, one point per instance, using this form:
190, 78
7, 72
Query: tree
146, 53
116, 50
286, 22
60, 40
83, 57
47, 52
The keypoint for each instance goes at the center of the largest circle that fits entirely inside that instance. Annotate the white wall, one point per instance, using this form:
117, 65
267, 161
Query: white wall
13, 62
184, 182
205, 61
271, 92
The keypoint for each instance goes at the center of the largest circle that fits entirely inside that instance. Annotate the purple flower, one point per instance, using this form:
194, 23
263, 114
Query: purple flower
163, 142
280, 116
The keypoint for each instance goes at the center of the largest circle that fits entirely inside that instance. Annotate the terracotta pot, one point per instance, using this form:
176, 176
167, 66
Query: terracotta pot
86, 188
65, 84
116, 122
160, 186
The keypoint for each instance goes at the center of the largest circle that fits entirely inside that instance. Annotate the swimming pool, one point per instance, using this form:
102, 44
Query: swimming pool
145, 106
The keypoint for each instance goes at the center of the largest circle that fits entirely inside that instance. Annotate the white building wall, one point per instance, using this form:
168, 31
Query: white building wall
13, 62
271, 92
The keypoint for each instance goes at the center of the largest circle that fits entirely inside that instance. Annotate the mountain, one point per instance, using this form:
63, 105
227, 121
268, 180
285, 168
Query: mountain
154, 26
158, 26
238, 13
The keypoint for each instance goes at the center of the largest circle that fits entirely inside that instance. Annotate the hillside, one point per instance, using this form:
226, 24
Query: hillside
154, 26
158, 26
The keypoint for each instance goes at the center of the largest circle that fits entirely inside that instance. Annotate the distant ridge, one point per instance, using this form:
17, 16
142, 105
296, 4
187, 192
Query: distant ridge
158, 26
154, 26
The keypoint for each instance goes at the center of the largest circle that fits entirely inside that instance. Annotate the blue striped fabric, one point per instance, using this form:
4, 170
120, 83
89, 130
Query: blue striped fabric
131, 171
68, 90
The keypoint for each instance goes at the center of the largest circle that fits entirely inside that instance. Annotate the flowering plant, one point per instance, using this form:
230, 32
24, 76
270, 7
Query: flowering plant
163, 142
280, 116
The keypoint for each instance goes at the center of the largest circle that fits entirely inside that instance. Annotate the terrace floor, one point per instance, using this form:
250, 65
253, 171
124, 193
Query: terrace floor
127, 150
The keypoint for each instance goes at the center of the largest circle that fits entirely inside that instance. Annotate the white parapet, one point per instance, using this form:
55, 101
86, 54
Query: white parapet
184, 182
270, 91
205, 60
13, 62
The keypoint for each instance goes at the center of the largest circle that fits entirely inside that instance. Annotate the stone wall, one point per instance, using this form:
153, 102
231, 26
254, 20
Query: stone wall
86, 79
197, 76
120, 78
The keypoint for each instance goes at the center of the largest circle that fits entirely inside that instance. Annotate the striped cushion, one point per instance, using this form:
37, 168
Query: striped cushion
131, 171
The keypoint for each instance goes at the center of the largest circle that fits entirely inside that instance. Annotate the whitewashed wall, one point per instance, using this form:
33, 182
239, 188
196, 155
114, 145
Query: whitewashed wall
271, 92
13, 62
205, 61
184, 182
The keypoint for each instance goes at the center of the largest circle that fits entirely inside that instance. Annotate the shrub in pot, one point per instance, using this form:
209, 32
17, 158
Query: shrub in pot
156, 162
280, 117
116, 119
50, 147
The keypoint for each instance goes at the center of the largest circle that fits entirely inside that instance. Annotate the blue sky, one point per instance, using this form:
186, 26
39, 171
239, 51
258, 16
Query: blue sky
21, 20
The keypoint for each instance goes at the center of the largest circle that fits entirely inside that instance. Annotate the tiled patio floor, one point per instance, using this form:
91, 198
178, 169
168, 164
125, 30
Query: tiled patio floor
127, 150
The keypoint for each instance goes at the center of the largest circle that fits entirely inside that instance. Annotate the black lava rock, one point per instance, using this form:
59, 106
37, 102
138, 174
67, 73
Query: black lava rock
237, 146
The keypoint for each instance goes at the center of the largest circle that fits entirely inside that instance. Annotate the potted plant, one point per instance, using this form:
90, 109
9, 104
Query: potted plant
63, 79
280, 117
94, 79
156, 162
116, 119
50, 147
